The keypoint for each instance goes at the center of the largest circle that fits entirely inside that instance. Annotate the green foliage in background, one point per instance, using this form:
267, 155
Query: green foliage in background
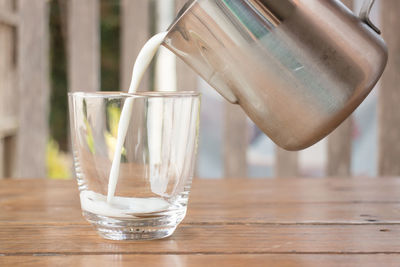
111, 136
58, 117
58, 99
89, 137
110, 45
58, 163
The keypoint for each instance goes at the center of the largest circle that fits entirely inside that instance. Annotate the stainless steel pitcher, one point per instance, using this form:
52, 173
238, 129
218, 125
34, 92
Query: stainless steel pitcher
298, 68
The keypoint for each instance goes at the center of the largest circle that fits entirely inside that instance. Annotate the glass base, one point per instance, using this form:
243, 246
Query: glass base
140, 228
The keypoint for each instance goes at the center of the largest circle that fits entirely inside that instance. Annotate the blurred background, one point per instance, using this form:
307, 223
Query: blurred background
51, 47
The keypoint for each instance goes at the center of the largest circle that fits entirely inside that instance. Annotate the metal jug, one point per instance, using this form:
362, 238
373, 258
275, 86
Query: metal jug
298, 68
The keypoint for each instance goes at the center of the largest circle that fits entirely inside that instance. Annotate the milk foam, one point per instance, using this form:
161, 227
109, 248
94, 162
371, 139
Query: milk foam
120, 207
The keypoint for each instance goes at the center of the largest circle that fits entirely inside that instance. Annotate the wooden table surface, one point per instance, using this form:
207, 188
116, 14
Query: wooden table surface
239, 222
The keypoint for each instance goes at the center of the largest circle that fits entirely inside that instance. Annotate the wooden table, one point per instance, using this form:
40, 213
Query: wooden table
243, 222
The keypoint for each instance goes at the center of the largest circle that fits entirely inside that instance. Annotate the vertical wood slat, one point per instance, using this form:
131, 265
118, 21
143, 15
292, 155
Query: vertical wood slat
339, 142
33, 72
339, 150
235, 142
2, 159
187, 79
10, 155
8, 91
389, 95
286, 163
83, 45
8, 17
8, 130
135, 31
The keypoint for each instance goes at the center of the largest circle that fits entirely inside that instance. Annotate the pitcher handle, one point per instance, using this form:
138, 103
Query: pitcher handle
365, 15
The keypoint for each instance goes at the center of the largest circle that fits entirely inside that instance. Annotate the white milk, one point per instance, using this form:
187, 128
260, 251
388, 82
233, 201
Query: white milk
120, 206
142, 63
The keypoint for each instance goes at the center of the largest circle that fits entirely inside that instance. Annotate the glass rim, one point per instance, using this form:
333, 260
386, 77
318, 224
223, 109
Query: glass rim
143, 94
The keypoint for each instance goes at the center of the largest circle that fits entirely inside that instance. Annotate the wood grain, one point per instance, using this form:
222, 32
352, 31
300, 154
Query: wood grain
34, 88
287, 260
389, 95
205, 239
224, 202
233, 222
135, 31
228, 213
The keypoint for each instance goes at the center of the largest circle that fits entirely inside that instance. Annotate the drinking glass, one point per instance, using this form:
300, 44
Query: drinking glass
156, 159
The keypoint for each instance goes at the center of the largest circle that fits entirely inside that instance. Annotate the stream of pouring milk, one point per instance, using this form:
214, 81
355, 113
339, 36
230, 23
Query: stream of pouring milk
119, 206
142, 63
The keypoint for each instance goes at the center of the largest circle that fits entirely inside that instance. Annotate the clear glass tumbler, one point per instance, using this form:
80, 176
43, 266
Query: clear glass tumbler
155, 163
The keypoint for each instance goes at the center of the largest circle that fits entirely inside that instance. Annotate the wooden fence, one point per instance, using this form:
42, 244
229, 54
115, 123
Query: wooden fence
24, 86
